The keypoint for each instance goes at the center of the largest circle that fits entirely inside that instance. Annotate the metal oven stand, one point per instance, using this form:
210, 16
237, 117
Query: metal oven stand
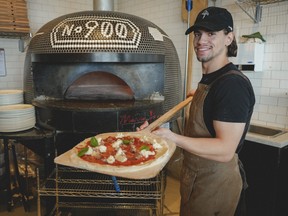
80, 192
41, 139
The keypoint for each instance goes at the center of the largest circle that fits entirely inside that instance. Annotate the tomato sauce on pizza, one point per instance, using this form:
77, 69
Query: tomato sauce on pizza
118, 150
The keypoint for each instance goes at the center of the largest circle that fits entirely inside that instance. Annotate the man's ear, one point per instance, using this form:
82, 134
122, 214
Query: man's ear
229, 38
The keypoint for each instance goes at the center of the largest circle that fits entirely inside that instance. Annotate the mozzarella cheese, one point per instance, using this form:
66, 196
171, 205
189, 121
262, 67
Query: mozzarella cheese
117, 143
144, 138
120, 155
110, 159
102, 148
99, 139
90, 151
119, 135
156, 145
120, 152
146, 153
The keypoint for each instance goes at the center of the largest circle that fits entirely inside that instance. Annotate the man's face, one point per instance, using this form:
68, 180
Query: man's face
210, 46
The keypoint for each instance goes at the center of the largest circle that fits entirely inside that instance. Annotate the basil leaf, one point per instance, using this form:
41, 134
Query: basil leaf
126, 142
82, 151
144, 147
93, 142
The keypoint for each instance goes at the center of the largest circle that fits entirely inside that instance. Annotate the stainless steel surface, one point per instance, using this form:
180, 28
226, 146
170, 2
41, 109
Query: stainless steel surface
265, 131
104, 5
75, 188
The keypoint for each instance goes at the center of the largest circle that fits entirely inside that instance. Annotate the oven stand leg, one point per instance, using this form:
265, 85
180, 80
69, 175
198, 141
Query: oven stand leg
7, 171
38, 193
21, 188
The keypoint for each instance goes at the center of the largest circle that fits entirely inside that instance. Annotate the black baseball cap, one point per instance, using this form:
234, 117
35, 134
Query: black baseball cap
212, 19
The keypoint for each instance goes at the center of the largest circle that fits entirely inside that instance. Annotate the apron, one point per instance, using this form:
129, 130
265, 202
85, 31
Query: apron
207, 187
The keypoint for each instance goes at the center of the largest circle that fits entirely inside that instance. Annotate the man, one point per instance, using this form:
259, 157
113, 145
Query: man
219, 117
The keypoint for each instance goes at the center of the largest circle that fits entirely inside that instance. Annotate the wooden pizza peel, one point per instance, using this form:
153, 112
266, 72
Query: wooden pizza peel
144, 171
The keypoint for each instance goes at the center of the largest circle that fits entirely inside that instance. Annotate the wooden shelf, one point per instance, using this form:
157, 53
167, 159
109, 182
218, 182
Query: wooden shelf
14, 21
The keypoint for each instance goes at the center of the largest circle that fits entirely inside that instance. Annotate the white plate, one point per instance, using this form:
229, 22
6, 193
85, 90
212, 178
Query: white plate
8, 97
16, 108
20, 126
10, 92
17, 117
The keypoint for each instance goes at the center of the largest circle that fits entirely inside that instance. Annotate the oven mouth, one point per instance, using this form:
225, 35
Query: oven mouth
99, 86
98, 79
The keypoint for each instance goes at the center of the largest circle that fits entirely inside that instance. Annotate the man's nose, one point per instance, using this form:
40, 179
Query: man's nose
202, 38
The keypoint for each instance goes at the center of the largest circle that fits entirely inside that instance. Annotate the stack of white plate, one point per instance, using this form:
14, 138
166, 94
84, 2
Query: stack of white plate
8, 97
17, 117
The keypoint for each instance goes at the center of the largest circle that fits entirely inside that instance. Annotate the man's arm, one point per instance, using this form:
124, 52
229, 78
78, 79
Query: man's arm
221, 148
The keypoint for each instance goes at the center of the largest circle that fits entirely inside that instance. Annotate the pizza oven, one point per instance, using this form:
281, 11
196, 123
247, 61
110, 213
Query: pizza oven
100, 71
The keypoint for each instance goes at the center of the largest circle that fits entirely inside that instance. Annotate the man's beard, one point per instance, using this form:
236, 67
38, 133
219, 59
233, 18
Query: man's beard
204, 59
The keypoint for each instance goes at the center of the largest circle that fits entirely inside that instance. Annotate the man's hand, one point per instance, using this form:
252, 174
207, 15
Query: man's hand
144, 125
191, 93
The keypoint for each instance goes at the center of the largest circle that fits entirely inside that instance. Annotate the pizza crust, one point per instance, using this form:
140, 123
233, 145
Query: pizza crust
148, 169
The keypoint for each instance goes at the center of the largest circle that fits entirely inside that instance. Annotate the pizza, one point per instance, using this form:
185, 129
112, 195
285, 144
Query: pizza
131, 155
120, 150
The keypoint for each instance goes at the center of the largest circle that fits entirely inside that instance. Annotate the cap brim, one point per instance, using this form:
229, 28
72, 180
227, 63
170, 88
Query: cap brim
205, 26
189, 30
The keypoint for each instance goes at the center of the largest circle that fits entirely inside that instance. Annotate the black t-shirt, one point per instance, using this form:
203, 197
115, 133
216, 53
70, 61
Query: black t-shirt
230, 99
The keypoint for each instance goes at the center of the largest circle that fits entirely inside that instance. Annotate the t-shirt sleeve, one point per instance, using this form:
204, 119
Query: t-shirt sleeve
232, 99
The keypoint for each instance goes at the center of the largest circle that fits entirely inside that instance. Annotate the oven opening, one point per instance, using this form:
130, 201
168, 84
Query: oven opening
99, 86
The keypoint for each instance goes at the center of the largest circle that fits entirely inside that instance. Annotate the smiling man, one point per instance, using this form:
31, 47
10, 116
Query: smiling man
219, 117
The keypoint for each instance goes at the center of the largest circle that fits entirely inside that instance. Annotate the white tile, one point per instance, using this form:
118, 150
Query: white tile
274, 48
267, 117
268, 100
272, 65
260, 91
283, 101
278, 110
284, 84
282, 19
271, 83
280, 74
278, 93
261, 108
277, 29
282, 120
268, 21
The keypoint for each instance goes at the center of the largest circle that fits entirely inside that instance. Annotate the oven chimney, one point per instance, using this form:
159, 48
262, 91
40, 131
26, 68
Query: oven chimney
103, 5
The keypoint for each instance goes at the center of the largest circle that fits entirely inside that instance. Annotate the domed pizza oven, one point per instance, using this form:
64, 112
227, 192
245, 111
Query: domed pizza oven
100, 71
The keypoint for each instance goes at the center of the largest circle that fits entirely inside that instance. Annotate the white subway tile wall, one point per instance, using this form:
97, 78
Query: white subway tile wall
271, 84
14, 65
39, 13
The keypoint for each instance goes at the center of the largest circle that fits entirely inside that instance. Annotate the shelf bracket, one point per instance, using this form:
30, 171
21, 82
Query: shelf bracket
251, 8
